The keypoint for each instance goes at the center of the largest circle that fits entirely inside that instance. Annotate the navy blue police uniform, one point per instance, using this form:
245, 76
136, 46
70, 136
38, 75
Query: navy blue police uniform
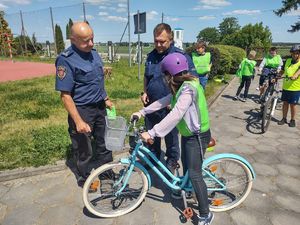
156, 88
81, 74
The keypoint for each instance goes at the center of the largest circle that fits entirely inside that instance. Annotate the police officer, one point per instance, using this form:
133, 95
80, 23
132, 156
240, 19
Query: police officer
202, 62
155, 88
80, 79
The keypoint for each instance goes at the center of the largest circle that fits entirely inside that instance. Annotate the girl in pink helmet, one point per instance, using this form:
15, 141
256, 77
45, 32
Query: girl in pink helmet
190, 115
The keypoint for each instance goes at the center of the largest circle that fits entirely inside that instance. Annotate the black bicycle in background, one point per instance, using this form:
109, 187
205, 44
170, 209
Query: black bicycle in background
269, 98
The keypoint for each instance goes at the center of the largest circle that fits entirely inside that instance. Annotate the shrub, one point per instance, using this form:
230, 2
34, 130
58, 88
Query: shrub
230, 58
225, 58
237, 55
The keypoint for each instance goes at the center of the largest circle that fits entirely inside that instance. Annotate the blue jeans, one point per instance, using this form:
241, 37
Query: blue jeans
203, 80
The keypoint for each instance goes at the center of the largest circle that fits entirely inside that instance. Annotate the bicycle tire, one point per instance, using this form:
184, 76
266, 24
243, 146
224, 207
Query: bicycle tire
103, 202
267, 116
226, 170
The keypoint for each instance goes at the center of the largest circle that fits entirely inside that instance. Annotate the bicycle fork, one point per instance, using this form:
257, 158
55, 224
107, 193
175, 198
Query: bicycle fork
274, 106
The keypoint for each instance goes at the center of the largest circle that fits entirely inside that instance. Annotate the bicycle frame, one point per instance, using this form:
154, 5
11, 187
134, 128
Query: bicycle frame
176, 183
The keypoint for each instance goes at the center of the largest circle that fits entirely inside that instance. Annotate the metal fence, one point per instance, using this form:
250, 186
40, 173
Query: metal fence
108, 19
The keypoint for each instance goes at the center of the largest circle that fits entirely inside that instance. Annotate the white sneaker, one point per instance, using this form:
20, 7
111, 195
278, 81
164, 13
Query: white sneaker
207, 220
236, 98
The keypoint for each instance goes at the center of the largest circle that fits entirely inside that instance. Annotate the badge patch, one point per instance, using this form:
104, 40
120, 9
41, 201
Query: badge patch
61, 72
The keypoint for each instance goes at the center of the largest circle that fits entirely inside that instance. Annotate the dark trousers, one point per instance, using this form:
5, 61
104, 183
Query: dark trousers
203, 80
192, 151
94, 115
171, 139
246, 81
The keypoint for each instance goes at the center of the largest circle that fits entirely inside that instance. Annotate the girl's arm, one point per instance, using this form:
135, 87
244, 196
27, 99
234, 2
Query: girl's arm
173, 118
157, 105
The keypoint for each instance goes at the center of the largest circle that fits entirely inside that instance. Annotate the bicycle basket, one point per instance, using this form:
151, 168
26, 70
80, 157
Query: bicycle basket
115, 133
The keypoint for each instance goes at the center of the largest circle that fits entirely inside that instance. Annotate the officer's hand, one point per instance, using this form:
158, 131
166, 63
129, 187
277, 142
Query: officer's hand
109, 104
135, 116
83, 127
145, 99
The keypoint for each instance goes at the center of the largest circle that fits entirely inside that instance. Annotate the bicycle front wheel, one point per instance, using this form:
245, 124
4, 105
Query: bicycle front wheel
235, 176
267, 115
100, 195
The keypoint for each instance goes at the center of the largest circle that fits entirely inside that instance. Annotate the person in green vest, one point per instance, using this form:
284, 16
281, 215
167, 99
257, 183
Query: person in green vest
272, 61
291, 86
246, 72
202, 62
190, 115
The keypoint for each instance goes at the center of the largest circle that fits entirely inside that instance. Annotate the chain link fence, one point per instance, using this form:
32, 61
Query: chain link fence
109, 21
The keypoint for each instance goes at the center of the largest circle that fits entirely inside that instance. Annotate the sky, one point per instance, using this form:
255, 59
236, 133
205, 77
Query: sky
109, 17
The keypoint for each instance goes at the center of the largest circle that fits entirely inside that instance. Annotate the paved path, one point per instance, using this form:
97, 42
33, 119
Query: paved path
274, 200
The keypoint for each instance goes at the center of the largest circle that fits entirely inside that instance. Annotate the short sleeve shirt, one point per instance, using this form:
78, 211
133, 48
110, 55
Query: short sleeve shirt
81, 74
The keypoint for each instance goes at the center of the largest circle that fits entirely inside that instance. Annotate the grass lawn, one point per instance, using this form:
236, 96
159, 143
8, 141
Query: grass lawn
33, 121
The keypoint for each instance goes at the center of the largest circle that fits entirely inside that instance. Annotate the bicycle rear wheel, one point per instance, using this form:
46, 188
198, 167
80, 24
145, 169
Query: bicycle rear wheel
236, 177
99, 190
267, 116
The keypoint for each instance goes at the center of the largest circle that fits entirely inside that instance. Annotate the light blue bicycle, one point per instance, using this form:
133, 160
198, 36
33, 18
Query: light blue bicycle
117, 188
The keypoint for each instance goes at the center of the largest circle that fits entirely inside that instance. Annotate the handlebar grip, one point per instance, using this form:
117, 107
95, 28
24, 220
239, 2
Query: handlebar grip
134, 118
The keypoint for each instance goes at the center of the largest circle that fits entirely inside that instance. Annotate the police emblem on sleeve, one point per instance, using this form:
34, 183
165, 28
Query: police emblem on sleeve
61, 72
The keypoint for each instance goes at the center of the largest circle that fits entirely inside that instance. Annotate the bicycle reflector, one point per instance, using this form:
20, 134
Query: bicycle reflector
217, 202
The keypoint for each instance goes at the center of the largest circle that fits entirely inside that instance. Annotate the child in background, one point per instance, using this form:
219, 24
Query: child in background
246, 70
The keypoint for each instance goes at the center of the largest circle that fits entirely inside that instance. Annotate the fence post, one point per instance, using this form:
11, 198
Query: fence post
53, 31
129, 42
83, 8
23, 33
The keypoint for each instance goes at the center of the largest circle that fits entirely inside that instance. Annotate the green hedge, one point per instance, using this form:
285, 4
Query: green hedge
230, 58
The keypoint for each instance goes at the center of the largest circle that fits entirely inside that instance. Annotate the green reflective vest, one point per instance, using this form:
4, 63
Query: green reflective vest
289, 70
202, 109
247, 67
201, 62
272, 62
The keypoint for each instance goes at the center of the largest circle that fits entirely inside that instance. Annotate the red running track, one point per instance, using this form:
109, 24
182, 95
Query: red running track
10, 71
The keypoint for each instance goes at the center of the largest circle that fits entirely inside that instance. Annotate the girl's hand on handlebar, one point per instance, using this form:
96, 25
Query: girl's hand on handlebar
147, 138
135, 116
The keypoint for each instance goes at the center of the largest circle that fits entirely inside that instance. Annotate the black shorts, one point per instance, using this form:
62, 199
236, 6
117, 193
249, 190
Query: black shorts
291, 97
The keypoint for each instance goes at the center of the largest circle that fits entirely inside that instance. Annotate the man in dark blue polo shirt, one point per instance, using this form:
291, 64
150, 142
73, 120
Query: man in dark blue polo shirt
80, 79
155, 88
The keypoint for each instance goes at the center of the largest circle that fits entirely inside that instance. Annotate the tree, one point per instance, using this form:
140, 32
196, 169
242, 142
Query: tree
5, 33
59, 40
288, 5
209, 34
68, 28
251, 37
229, 26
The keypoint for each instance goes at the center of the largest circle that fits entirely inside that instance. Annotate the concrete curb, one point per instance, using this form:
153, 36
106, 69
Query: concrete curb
7, 175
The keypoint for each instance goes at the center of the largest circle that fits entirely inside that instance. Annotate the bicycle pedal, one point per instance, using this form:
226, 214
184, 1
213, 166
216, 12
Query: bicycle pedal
188, 213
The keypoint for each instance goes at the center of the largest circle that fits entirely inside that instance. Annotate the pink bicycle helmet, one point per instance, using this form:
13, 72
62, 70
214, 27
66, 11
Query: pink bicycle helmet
174, 64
